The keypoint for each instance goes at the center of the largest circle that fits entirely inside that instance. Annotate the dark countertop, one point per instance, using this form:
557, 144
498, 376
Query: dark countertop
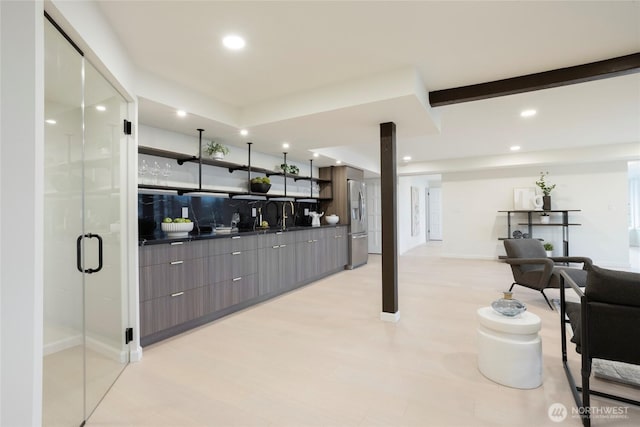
159, 237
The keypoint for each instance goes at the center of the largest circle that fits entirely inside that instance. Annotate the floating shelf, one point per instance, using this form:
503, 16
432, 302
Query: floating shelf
182, 158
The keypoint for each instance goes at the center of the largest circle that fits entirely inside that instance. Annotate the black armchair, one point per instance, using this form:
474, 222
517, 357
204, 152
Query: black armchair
532, 268
605, 325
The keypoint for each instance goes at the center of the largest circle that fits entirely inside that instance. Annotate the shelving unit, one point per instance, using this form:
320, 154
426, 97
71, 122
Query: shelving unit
182, 158
565, 224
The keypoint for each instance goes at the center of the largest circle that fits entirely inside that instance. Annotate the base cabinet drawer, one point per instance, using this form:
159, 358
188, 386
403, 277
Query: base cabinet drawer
164, 312
170, 277
230, 292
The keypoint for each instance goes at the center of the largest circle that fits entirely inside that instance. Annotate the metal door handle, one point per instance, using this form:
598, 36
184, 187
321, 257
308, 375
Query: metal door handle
177, 294
176, 243
237, 278
79, 253
236, 237
275, 247
283, 246
236, 253
176, 262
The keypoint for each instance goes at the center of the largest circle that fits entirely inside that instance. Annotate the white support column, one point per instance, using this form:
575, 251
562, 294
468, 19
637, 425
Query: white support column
21, 211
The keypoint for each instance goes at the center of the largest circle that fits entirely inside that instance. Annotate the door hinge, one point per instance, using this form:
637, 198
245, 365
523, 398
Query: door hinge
128, 335
127, 127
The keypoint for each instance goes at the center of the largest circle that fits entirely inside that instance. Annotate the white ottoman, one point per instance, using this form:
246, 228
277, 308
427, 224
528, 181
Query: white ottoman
509, 348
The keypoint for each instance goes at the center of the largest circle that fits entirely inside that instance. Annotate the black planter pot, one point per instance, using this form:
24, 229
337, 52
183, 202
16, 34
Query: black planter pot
260, 187
546, 203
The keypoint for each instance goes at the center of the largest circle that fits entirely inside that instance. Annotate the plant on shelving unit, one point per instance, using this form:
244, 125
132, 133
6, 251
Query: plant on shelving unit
544, 187
216, 150
260, 184
260, 180
290, 169
548, 246
544, 218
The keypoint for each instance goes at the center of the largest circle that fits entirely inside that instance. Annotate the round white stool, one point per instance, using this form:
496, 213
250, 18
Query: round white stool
509, 348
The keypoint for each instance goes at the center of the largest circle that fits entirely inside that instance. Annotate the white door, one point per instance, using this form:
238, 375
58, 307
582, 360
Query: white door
435, 213
374, 216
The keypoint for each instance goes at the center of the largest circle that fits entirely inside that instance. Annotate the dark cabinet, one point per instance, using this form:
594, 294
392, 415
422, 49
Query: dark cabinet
336, 247
165, 312
277, 262
233, 267
310, 254
186, 283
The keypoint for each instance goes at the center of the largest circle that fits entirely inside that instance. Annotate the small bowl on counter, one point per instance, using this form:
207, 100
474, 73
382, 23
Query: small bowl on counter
332, 219
177, 229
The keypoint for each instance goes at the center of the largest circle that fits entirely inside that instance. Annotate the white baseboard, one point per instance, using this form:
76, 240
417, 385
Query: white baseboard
62, 344
135, 355
390, 317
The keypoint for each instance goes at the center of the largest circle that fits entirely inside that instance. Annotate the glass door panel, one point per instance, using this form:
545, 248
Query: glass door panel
85, 286
105, 291
63, 364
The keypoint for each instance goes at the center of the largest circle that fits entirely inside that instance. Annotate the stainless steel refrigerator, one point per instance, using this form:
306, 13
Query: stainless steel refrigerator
358, 233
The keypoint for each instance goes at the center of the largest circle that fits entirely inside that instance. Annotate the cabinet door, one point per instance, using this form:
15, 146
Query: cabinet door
306, 260
268, 269
285, 277
244, 288
342, 248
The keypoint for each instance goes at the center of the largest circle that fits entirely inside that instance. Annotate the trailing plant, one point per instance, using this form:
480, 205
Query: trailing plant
546, 188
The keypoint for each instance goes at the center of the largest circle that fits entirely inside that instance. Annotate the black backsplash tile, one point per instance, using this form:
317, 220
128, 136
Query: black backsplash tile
206, 212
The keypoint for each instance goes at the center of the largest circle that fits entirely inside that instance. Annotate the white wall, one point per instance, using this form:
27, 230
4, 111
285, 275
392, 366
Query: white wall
21, 195
472, 224
405, 240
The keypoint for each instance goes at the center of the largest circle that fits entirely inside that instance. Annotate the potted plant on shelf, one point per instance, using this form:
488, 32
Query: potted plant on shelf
216, 150
548, 247
546, 190
544, 218
260, 184
290, 169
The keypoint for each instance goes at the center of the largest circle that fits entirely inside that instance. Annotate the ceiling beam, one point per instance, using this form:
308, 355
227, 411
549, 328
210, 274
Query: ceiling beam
548, 79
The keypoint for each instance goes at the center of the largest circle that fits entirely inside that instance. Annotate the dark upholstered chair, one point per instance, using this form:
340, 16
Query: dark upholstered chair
605, 325
533, 269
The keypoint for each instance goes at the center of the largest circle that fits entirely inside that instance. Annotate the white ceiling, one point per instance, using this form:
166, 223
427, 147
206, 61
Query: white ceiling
301, 52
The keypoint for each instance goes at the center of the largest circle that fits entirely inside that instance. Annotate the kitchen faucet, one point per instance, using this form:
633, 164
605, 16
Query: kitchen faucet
284, 214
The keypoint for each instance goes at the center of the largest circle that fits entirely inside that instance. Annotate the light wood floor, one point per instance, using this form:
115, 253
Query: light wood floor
320, 356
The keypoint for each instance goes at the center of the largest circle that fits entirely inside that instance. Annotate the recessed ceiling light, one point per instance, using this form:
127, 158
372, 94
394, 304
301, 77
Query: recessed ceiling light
285, 145
406, 158
233, 42
101, 108
528, 113
514, 148
181, 113
51, 121
316, 155
338, 162
244, 132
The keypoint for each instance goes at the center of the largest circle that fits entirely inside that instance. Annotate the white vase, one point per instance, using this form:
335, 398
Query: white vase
218, 155
544, 219
549, 253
